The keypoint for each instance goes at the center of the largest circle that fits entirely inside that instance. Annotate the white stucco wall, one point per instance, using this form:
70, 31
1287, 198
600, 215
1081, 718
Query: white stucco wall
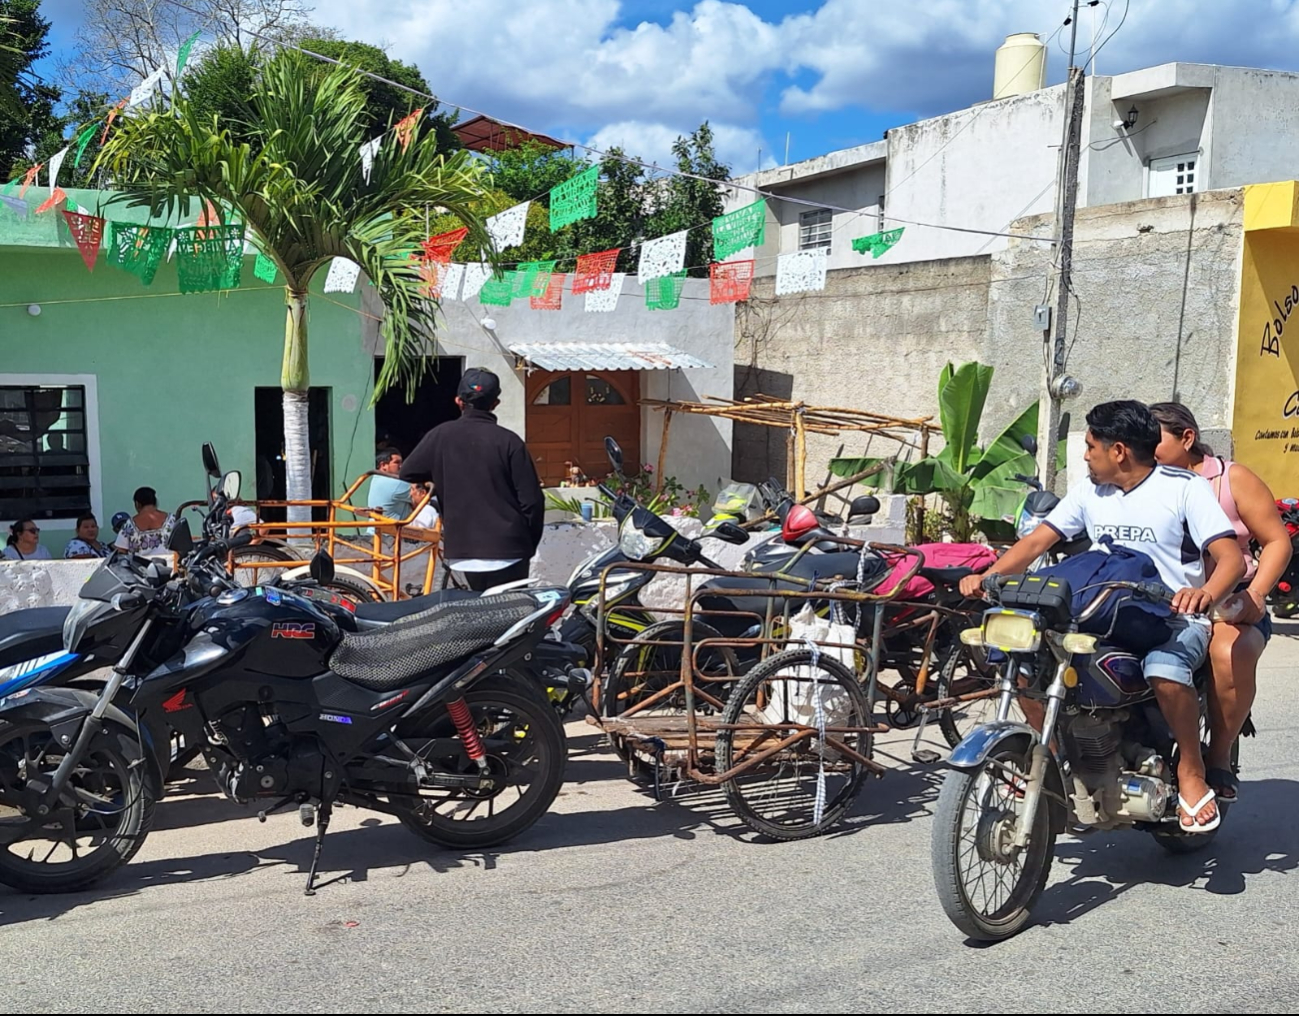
699, 450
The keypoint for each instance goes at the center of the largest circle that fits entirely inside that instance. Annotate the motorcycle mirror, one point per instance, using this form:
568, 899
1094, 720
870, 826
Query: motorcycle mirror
181, 540
1029, 443
322, 567
210, 463
614, 451
730, 532
230, 484
863, 506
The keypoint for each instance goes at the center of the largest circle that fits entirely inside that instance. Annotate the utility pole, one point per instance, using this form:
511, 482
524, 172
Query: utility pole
1055, 388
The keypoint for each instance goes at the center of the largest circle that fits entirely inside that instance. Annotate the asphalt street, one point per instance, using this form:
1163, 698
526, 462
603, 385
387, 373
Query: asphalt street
614, 903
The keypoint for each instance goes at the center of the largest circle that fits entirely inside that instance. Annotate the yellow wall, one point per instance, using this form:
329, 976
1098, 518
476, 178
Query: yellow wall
1265, 426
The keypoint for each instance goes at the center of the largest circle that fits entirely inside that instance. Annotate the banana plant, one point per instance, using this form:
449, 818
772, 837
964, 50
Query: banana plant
976, 483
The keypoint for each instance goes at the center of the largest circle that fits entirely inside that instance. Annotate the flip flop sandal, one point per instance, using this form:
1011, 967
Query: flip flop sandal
1194, 812
1224, 784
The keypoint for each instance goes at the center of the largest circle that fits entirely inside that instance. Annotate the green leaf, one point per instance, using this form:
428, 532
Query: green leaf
928, 476
997, 495
846, 467
1008, 444
961, 396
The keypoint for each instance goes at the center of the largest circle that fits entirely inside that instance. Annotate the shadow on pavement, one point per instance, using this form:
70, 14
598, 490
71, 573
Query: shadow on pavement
1259, 834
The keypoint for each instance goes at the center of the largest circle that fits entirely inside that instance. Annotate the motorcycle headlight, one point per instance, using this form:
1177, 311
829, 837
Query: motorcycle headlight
1012, 631
637, 544
83, 614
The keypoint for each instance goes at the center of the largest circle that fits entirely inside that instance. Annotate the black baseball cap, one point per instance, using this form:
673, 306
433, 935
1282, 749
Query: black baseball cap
478, 385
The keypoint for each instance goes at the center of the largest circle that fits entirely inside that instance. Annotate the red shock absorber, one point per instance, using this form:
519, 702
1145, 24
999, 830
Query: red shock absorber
464, 721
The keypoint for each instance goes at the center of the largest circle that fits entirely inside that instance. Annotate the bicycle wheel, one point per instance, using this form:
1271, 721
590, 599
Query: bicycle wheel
256, 553
964, 673
808, 787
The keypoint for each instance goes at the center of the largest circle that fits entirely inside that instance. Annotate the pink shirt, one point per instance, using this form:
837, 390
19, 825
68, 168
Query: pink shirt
1217, 471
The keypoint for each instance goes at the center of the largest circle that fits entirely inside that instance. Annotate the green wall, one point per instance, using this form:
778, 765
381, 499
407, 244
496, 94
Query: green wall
172, 371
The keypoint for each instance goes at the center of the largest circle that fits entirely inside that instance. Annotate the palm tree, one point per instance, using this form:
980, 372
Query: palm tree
292, 174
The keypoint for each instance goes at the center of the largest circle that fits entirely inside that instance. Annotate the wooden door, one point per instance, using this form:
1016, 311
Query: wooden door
570, 413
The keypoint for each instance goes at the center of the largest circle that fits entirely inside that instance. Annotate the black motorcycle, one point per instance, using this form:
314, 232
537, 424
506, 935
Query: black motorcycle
417, 720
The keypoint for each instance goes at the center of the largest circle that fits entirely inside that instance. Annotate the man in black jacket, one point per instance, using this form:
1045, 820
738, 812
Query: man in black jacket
487, 487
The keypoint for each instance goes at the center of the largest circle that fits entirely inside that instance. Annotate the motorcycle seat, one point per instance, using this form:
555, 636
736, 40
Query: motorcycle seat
843, 564
946, 576
388, 611
26, 634
445, 633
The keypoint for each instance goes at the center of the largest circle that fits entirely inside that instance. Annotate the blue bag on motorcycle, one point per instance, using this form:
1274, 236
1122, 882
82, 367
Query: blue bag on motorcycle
1135, 624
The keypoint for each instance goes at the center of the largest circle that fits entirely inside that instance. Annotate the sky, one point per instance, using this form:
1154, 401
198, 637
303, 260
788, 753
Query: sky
816, 75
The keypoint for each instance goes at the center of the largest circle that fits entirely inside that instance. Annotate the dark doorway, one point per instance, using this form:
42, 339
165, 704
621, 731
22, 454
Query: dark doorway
272, 478
403, 423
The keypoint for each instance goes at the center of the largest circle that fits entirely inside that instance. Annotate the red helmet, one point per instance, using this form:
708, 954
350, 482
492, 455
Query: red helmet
799, 521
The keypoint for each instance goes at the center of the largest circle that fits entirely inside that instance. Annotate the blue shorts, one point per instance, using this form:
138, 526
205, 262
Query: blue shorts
1180, 657
1264, 623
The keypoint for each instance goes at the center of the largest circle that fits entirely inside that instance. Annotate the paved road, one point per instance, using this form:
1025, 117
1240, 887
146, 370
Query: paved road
614, 904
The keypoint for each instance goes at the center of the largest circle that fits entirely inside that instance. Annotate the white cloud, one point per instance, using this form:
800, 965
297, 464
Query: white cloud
548, 63
737, 147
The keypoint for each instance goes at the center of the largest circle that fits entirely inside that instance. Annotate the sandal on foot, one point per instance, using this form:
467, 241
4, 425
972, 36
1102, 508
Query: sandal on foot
1194, 812
1224, 784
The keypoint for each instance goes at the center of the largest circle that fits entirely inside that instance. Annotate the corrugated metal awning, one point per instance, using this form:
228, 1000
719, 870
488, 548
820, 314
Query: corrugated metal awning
605, 356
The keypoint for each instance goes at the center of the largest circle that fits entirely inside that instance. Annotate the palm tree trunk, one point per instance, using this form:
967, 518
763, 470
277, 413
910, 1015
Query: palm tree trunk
295, 379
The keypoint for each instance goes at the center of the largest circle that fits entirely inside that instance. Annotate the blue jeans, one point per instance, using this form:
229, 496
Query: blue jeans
1178, 659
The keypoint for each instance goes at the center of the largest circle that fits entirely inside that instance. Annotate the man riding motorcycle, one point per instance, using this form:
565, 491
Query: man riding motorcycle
1172, 516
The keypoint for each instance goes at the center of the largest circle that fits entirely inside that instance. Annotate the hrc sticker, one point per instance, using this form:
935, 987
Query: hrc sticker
293, 630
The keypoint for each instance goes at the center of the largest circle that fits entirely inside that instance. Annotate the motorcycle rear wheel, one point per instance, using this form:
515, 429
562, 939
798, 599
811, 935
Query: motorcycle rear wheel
971, 840
108, 801
525, 746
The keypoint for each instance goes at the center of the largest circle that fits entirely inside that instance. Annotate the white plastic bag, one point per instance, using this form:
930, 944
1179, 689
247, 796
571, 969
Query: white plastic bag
806, 694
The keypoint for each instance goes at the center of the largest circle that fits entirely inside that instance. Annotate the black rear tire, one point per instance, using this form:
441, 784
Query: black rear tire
112, 774
521, 734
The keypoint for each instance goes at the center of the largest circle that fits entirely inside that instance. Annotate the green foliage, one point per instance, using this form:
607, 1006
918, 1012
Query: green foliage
975, 483
27, 104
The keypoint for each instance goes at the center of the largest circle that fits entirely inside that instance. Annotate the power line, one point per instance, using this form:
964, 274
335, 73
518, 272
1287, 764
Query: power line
729, 184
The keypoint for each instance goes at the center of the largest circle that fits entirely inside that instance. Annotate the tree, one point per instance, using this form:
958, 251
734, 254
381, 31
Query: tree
122, 41
27, 104
386, 104
296, 183
687, 202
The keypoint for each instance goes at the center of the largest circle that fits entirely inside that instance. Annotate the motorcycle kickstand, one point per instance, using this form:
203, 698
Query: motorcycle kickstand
322, 825
925, 756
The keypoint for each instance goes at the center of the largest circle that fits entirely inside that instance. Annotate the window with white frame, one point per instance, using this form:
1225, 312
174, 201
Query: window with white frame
1175, 174
48, 449
815, 229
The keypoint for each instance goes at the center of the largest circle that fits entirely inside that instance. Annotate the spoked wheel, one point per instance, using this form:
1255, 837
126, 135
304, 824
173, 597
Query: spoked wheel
965, 670
525, 754
986, 884
807, 787
651, 663
98, 824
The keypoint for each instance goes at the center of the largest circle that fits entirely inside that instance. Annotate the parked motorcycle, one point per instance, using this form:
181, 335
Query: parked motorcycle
416, 720
1104, 759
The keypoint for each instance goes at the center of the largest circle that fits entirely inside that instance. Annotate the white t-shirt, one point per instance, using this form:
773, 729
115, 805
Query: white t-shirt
1171, 516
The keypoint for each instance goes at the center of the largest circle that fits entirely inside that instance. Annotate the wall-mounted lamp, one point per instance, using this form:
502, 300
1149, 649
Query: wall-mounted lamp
1130, 120
488, 322
34, 309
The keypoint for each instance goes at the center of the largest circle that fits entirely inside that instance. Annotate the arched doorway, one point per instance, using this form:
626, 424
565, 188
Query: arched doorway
569, 414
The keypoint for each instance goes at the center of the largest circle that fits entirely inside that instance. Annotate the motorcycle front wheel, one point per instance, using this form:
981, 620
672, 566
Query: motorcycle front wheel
986, 885
99, 822
525, 747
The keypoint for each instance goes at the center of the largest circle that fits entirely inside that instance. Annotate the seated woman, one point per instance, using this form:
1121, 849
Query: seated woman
23, 543
149, 529
1237, 643
86, 543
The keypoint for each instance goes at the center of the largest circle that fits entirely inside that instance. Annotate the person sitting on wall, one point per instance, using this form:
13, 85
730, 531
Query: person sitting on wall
86, 543
149, 529
24, 543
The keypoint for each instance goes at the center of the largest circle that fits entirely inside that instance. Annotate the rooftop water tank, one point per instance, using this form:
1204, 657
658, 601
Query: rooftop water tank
1020, 67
